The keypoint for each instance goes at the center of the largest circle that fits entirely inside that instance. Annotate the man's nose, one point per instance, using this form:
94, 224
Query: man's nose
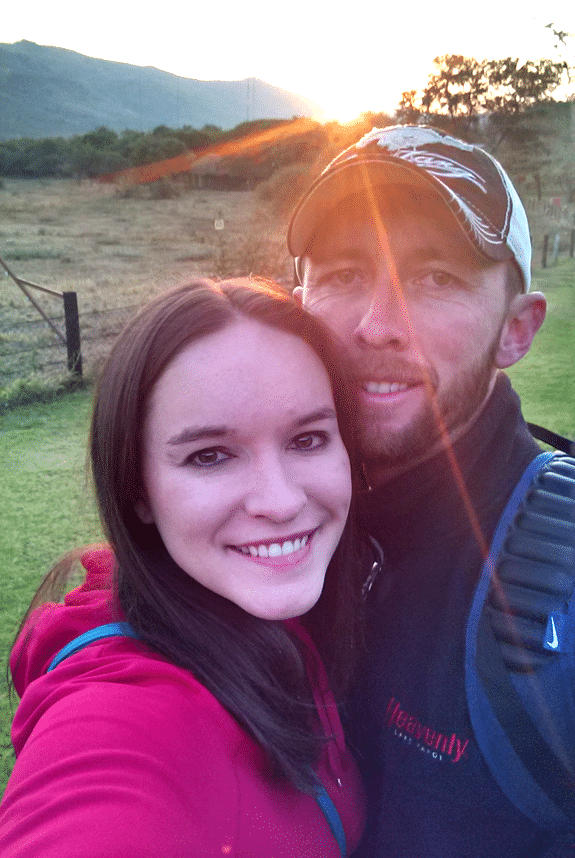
385, 320
273, 492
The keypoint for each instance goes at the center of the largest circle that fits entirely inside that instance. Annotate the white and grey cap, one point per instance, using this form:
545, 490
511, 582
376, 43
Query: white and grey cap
472, 183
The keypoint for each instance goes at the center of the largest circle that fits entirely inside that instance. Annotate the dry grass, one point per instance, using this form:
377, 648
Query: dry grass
117, 250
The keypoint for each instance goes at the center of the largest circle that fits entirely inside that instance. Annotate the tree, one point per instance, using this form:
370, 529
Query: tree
462, 88
102, 138
514, 87
457, 87
409, 109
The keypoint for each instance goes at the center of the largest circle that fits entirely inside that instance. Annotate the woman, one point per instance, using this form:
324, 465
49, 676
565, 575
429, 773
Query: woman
174, 705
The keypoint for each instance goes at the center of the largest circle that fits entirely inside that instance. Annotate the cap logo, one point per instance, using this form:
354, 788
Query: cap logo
404, 143
409, 137
481, 229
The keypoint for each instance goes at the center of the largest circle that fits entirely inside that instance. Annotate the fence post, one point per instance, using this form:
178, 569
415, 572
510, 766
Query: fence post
72, 322
545, 246
555, 251
572, 245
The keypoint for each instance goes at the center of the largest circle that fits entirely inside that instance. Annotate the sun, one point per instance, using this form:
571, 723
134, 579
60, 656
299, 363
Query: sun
345, 104
343, 111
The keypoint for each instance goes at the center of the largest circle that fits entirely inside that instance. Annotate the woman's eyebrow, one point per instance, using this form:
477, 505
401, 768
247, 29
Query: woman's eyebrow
327, 413
190, 434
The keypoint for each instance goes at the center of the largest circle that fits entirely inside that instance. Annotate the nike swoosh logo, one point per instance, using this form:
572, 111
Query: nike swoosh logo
554, 642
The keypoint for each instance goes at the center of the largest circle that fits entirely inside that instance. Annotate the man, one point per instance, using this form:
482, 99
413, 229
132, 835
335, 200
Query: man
414, 247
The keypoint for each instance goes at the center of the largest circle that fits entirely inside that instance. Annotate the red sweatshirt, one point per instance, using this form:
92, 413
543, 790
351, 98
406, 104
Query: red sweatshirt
120, 754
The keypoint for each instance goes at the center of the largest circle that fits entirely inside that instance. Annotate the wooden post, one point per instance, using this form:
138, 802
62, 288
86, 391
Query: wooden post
572, 245
555, 251
72, 321
545, 246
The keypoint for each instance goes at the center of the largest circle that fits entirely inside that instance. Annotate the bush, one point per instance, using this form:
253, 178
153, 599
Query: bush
282, 191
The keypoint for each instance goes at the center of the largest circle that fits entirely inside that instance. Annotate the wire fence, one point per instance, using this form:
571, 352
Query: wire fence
31, 348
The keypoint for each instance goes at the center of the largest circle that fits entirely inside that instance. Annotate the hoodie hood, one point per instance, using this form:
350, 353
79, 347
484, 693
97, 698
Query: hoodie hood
51, 626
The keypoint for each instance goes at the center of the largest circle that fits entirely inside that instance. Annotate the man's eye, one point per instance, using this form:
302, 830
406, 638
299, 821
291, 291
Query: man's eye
348, 276
341, 278
438, 280
309, 441
207, 458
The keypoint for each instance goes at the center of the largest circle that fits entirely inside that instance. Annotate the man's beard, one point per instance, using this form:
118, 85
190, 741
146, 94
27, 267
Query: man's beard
440, 416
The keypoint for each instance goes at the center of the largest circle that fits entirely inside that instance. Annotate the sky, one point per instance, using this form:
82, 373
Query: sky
345, 62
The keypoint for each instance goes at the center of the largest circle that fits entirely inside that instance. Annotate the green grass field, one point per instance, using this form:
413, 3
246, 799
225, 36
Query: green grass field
545, 378
45, 503
45, 508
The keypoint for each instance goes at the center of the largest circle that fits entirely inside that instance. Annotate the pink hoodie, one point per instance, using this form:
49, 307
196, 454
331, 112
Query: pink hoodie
120, 754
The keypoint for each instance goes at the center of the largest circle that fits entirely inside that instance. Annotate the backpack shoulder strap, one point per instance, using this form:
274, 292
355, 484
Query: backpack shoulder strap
537, 781
559, 442
109, 630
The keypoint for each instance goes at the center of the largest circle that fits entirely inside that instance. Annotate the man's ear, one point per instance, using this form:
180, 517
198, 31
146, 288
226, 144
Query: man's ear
524, 318
144, 512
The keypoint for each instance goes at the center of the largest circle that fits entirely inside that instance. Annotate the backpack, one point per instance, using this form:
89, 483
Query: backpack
520, 649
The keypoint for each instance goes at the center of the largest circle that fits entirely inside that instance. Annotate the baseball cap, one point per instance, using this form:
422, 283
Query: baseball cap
471, 182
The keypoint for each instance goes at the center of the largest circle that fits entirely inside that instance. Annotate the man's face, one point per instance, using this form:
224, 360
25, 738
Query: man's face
420, 314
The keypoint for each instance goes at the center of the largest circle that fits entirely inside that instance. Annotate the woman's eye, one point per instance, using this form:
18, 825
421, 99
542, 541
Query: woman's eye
309, 441
207, 458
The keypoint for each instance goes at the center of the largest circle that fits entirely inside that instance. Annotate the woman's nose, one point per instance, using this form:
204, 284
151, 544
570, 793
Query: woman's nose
274, 493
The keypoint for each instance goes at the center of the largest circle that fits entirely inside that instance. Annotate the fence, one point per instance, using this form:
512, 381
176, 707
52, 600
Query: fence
24, 338
552, 244
552, 224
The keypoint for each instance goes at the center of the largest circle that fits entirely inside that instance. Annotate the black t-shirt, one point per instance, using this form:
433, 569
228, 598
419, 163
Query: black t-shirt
431, 794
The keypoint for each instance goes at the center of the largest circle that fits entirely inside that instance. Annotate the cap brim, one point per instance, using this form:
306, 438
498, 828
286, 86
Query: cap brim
358, 176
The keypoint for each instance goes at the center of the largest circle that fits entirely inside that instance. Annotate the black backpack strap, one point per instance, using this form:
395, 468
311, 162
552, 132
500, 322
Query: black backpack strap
537, 781
559, 442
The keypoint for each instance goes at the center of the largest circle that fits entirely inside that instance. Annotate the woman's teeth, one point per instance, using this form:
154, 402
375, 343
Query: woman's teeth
274, 549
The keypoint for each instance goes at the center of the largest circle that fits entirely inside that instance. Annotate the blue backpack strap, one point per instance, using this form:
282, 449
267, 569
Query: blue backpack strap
109, 630
333, 818
523, 764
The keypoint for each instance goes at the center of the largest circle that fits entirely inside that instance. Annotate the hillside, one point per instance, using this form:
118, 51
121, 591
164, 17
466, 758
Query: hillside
53, 92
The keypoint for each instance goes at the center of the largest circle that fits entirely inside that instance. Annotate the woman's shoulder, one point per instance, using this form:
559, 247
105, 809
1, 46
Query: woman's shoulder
126, 737
121, 679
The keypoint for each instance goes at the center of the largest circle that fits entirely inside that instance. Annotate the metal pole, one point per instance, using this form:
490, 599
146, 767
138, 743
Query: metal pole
72, 332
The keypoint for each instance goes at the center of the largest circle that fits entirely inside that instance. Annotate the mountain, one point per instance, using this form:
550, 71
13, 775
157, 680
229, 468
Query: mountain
54, 92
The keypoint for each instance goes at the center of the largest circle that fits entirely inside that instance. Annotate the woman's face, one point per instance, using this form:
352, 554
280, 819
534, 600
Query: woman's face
245, 473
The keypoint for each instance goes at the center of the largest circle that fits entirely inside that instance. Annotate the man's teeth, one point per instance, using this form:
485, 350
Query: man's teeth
384, 387
274, 549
